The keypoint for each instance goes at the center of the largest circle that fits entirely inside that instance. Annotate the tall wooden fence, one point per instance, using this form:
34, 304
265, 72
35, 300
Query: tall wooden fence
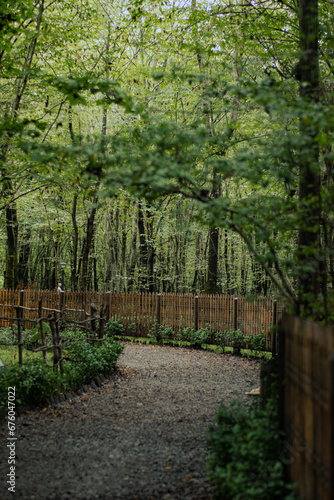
307, 350
219, 312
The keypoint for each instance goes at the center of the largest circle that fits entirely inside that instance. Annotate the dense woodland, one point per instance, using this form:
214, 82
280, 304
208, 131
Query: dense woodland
181, 146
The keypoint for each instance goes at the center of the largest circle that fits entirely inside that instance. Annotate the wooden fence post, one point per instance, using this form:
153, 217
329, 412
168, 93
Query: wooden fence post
101, 322
93, 309
19, 315
275, 313
235, 314
54, 342
107, 306
158, 308
61, 307
274, 336
281, 374
60, 355
196, 313
22, 310
41, 325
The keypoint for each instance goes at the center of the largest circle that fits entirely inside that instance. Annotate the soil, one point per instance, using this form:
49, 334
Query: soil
140, 435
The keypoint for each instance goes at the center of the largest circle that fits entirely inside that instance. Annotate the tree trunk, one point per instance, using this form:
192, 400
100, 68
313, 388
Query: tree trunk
11, 271
309, 249
75, 240
88, 243
23, 271
143, 250
212, 283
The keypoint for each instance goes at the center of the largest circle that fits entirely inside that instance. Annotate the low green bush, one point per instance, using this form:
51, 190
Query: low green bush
159, 333
200, 337
8, 334
90, 359
131, 329
36, 381
221, 339
239, 340
185, 333
113, 327
256, 342
245, 446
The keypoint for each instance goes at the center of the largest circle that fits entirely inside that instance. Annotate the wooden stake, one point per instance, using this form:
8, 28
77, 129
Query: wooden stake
41, 326
235, 314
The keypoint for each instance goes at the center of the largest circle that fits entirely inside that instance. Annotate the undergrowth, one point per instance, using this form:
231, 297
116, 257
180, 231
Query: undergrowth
245, 453
36, 381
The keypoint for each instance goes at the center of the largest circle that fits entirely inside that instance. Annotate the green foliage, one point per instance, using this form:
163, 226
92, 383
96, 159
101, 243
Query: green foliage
185, 333
90, 359
211, 118
221, 339
238, 340
36, 381
32, 339
200, 337
114, 327
159, 333
33, 382
131, 329
7, 335
245, 449
256, 342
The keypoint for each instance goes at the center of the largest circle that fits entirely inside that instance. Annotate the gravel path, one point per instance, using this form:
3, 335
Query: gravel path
139, 436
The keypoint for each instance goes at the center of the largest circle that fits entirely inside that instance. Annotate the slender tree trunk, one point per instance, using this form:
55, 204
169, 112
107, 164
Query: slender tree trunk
143, 249
75, 240
88, 243
11, 272
227, 263
309, 249
212, 283
133, 253
25, 249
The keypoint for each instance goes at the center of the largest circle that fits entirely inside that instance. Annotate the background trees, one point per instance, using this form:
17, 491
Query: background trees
184, 146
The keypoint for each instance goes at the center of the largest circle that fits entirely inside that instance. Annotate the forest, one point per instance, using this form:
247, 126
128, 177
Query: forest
173, 146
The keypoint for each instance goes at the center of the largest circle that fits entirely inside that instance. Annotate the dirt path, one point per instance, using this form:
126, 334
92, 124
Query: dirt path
140, 436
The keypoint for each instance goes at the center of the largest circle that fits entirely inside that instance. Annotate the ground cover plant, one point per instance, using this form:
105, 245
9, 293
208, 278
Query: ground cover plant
36, 381
246, 453
229, 340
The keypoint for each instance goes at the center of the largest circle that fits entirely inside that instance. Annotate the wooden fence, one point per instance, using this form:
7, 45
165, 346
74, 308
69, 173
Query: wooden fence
307, 351
219, 312
57, 318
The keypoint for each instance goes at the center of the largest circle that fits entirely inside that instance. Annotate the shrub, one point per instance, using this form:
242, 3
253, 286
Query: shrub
114, 327
222, 339
132, 329
33, 382
90, 359
237, 340
159, 333
245, 447
200, 337
256, 342
8, 335
185, 333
